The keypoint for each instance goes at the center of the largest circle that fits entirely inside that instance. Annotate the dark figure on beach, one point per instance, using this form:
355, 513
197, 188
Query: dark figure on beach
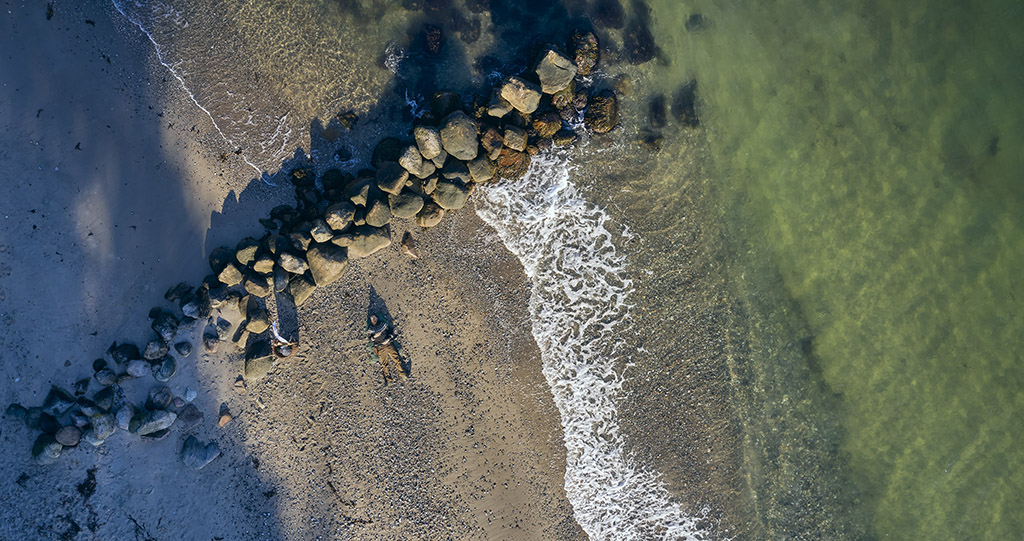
382, 340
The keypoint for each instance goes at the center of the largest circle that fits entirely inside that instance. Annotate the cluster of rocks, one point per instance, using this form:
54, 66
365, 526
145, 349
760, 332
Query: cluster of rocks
340, 215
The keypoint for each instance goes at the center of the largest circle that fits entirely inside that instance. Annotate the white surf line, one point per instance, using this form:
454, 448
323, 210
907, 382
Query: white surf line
579, 295
168, 11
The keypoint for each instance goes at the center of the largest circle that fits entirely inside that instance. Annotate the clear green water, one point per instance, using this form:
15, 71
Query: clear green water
870, 153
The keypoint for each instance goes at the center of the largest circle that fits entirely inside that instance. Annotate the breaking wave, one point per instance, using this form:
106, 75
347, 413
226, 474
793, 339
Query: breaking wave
579, 298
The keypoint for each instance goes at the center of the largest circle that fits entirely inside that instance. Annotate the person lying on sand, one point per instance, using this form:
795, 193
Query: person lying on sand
282, 348
382, 340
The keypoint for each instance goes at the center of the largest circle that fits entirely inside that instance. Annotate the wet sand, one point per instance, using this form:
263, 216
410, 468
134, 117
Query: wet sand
116, 191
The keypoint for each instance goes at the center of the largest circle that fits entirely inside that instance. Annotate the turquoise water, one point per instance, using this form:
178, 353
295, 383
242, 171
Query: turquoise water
869, 156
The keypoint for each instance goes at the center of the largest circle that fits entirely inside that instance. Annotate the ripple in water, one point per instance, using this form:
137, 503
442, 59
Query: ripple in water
578, 299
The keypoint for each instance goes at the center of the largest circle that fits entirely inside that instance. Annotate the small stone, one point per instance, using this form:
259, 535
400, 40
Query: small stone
68, 436
391, 177
450, 196
223, 327
405, 204
428, 141
122, 353
439, 160
320, 231
158, 435
79, 420
166, 325
301, 239
522, 95
548, 125
103, 426
164, 371
124, 416
430, 215
300, 288
58, 401
105, 377
82, 386
159, 398
178, 402
198, 455
225, 418
240, 385
562, 99
189, 417
258, 320
154, 421
245, 252
46, 449
429, 185
104, 398
218, 296
481, 169
339, 216
264, 264
87, 406
190, 394
357, 192
210, 342
16, 411
459, 136
555, 71
281, 277
139, 368
184, 349
154, 350
491, 142
515, 138
564, 138
98, 364
230, 275
409, 246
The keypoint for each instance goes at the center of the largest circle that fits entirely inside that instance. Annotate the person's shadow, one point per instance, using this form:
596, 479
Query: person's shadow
379, 307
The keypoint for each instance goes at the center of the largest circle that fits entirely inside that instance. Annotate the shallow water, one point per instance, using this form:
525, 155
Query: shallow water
857, 167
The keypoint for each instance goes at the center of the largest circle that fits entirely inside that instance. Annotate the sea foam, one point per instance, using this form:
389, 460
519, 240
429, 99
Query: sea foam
580, 296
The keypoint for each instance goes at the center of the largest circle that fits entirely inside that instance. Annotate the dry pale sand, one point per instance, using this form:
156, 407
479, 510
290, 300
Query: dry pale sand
113, 191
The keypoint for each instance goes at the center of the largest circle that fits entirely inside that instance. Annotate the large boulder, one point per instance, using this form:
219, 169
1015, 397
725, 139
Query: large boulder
481, 169
365, 240
378, 213
291, 263
259, 359
521, 94
585, 52
327, 262
449, 195
459, 136
428, 140
498, 106
339, 215
603, 113
413, 162
512, 164
391, 177
300, 288
405, 204
230, 274
555, 71
515, 138
430, 215
456, 171
245, 252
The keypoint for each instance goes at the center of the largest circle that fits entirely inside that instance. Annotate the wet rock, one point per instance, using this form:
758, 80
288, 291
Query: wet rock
564, 138
230, 274
122, 353
555, 71
159, 398
498, 106
16, 411
154, 350
293, 263
300, 288
139, 368
46, 449
178, 292
183, 349
430, 215
245, 252
515, 139
124, 415
154, 421
413, 162
257, 318
409, 246
405, 204
58, 401
105, 377
512, 164
378, 213
197, 455
585, 52
563, 98
603, 113
189, 417
481, 169
339, 216
264, 264
257, 285
428, 141
327, 263
459, 136
521, 94
37, 419
491, 142
104, 398
696, 23
319, 231
450, 196
164, 371
580, 100
548, 125
68, 436
608, 14
684, 105
259, 359
391, 177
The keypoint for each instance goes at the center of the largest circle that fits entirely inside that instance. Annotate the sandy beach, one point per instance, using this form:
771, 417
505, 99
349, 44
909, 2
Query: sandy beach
116, 190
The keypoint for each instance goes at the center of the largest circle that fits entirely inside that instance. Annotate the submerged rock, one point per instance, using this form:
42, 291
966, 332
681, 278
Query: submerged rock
515, 139
585, 52
603, 113
512, 164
